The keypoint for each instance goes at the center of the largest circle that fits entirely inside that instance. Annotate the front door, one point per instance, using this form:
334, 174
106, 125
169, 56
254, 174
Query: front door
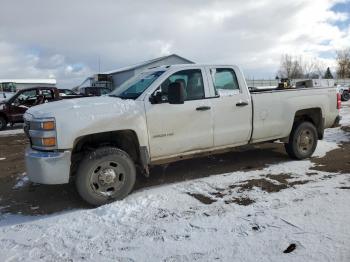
20, 104
180, 128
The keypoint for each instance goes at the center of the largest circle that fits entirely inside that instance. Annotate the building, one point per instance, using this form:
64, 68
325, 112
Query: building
115, 78
12, 85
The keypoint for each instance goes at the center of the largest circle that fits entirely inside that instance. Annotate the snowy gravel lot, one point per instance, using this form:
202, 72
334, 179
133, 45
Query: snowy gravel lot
250, 215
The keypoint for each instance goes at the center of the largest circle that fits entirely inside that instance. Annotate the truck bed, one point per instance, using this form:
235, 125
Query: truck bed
273, 108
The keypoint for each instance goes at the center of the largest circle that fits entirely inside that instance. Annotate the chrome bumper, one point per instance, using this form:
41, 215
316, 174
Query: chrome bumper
48, 167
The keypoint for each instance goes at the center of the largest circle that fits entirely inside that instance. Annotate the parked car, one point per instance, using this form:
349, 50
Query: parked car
67, 93
163, 115
344, 92
94, 91
13, 108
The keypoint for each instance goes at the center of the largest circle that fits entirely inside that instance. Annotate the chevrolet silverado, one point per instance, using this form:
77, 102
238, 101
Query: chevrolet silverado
166, 114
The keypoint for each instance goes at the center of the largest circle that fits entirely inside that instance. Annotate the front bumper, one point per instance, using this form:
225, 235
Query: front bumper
48, 167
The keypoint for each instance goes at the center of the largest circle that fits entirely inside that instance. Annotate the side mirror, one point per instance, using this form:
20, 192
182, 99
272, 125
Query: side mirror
156, 98
176, 93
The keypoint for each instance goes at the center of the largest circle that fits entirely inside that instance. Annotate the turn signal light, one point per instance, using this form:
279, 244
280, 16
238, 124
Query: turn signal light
49, 125
49, 141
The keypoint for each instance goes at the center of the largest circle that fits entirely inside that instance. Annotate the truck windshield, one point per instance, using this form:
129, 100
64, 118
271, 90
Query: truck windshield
136, 85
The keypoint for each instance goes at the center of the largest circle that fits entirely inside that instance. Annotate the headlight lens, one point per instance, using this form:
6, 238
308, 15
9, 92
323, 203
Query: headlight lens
49, 141
48, 125
42, 133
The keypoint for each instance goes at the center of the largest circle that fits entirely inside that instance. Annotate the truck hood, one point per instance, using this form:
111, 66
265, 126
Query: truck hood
83, 116
89, 107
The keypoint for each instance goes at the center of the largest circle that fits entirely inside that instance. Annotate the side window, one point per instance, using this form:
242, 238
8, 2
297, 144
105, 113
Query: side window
26, 98
191, 79
224, 79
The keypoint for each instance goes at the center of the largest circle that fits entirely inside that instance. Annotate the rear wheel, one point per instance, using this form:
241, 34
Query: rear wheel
345, 95
3, 123
105, 175
302, 141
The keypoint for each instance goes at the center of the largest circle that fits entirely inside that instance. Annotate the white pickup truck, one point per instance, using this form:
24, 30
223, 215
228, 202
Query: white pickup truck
166, 114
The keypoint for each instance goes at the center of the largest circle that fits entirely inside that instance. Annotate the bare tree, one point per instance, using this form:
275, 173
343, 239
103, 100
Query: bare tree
312, 67
289, 67
300, 67
343, 63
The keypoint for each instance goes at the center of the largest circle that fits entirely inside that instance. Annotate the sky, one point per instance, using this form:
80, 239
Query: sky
66, 39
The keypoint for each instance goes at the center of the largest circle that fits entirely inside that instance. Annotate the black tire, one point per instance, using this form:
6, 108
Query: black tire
3, 123
302, 141
345, 95
95, 181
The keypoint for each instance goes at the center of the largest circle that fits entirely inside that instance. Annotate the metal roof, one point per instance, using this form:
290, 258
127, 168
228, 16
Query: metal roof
135, 66
29, 81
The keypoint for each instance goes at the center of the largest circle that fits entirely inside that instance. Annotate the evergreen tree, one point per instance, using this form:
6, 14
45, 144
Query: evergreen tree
328, 74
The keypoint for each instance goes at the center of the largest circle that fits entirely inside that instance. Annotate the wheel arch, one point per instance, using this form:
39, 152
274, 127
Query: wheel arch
4, 116
313, 115
126, 140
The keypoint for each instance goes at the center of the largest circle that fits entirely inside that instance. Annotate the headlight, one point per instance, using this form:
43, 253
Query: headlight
42, 133
43, 124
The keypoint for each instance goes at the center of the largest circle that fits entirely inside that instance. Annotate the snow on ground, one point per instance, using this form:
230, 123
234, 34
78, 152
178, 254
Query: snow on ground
167, 224
239, 216
17, 129
22, 180
334, 136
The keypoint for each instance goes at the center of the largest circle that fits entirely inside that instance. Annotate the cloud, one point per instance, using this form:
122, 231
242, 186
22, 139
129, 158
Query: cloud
65, 39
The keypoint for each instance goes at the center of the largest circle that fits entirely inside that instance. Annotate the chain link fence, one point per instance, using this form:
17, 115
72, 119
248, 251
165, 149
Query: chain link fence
274, 82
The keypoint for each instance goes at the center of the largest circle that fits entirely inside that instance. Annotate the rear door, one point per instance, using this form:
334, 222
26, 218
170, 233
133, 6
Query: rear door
181, 128
232, 110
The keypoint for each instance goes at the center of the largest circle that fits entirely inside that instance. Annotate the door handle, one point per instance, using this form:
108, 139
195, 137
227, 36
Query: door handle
203, 108
241, 103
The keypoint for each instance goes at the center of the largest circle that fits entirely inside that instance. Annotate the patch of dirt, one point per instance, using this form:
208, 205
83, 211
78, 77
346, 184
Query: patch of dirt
202, 198
278, 183
281, 178
29, 199
345, 128
269, 186
243, 201
337, 160
263, 184
12, 149
311, 174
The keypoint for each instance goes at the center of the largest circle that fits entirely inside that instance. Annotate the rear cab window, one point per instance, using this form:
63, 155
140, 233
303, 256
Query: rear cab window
224, 81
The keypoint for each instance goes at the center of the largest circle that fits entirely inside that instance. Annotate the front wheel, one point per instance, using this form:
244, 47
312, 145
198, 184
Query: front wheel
105, 175
302, 141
